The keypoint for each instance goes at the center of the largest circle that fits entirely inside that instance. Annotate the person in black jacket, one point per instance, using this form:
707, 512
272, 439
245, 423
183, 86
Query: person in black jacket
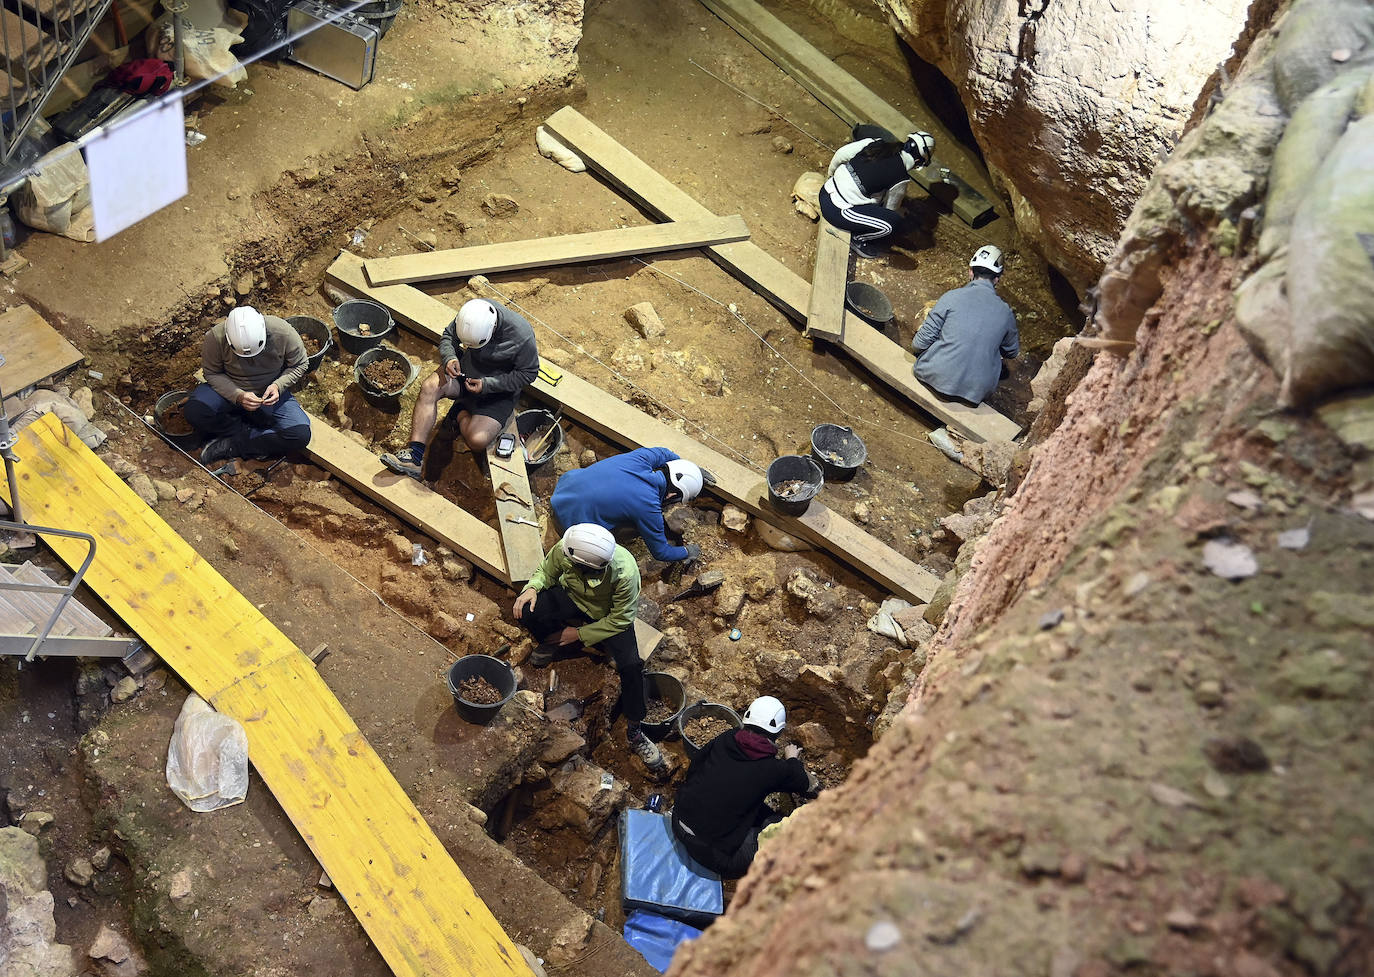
719, 810
866, 182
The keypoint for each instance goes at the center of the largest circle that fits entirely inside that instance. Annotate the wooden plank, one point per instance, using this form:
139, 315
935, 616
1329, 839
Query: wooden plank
630, 427
486, 259
844, 95
523, 544
76, 618
418, 505
789, 291
825, 307
420, 912
33, 350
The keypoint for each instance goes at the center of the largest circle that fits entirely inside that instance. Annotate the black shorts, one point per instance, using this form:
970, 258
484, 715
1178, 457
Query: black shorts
499, 407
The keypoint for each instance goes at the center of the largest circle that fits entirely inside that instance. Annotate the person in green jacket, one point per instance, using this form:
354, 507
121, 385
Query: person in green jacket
585, 593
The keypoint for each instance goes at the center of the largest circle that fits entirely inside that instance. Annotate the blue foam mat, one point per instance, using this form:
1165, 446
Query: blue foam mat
657, 874
657, 937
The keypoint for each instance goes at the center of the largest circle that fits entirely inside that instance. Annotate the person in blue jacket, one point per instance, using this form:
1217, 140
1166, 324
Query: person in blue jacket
970, 331
631, 489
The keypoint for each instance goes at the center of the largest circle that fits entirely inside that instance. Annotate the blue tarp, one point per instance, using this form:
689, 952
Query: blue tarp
657, 937
658, 875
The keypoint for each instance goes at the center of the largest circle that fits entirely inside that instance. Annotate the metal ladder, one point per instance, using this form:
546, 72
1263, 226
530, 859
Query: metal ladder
45, 642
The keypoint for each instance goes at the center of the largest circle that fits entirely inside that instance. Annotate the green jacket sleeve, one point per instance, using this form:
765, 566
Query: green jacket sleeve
547, 573
624, 603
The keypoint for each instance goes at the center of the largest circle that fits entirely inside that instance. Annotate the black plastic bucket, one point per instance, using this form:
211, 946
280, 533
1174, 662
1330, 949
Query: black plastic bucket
838, 450
713, 709
790, 468
495, 671
663, 687
164, 404
375, 395
868, 303
527, 422
308, 325
352, 314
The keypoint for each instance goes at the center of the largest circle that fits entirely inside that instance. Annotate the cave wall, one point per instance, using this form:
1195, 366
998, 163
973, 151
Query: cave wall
1073, 101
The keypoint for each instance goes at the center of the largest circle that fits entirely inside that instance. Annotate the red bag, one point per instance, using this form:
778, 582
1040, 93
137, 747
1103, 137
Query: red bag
144, 76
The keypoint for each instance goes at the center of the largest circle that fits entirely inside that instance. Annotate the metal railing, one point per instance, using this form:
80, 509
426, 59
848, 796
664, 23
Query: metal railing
41, 39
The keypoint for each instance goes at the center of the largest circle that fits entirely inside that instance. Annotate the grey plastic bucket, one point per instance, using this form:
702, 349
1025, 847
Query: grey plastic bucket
374, 394
703, 708
529, 421
838, 450
308, 325
794, 468
164, 404
868, 303
362, 312
495, 671
662, 686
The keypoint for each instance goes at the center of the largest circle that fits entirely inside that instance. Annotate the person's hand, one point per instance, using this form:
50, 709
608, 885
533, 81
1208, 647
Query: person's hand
693, 553
474, 384
249, 401
791, 751
271, 395
568, 635
526, 600
453, 368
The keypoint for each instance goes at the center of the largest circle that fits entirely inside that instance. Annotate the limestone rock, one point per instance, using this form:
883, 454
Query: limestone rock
862, 513
733, 519
975, 519
124, 690
85, 401
645, 320
100, 858
179, 890
27, 928
781, 145
398, 548
143, 488
166, 491
120, 465
570, 942
562, 743
79, 872
500, 205
36, 822
774, 538
821, 601
806, 194
114, 956
444, 625
990, 459
1046, 93
580, 799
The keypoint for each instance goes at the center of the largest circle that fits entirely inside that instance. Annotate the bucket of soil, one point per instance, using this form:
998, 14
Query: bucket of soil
169, 418
362, 325
869, 304
793, 481
481, 685
316, 336
383, 374
702, 722
838, 450
666, 698
540, 434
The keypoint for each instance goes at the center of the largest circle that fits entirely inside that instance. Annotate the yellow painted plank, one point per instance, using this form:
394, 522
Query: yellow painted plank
33, 350
765, 274
523, 544
825, 306
414, 903
485, 259
626, 425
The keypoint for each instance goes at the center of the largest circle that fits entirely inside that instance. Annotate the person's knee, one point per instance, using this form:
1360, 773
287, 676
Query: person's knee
479, 437
429, 390
294, 437
204, 407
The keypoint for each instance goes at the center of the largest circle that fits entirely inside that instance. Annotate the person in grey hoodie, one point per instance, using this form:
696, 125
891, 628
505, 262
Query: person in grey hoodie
961, 344
251, 362
489, 355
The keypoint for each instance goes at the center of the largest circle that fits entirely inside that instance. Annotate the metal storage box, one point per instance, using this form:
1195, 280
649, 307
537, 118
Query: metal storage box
339, 47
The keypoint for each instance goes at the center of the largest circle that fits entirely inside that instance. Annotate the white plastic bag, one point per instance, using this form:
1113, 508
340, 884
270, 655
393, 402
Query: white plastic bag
207, 763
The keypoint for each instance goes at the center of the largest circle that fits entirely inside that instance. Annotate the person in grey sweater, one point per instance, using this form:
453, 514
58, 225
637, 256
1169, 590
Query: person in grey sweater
961, 344
251, 362
488, 355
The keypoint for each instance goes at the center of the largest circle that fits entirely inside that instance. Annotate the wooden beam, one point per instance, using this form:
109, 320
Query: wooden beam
629, 427
761, 271
544, 252
825, 307
394, 873
522, 543
33, 350
844, 95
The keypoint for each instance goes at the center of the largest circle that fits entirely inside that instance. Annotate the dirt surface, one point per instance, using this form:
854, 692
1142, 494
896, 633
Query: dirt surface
419, 152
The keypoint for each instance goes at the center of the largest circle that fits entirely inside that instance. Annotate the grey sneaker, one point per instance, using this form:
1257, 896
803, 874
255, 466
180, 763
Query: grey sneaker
217, 450
866, 249
648, 751
403, 462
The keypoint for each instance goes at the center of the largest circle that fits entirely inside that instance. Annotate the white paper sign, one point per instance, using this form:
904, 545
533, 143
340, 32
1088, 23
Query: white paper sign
137, 165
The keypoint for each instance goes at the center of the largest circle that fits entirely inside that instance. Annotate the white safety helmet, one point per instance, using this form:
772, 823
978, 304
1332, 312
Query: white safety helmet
246, 330
919, 146
988, 258
766, 713
589, 545
684, 477
476, 323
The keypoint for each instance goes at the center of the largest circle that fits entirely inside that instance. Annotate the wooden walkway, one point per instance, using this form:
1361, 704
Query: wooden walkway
625, 425
770, 277
416, 906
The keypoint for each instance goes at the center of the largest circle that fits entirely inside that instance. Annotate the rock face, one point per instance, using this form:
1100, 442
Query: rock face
26, 926
1072, 102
